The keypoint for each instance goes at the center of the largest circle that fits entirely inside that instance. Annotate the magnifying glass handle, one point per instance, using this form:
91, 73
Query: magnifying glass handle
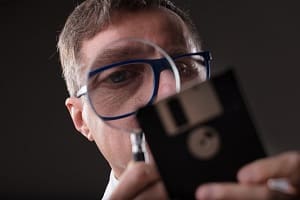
137, 146
139, 156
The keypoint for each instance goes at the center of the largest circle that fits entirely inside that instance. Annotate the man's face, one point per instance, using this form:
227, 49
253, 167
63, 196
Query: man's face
156, 25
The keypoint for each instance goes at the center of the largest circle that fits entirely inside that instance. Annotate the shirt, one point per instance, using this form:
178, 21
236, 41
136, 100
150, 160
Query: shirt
112, 183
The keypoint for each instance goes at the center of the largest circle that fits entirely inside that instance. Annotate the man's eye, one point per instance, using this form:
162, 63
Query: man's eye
187, 71
184, 70
120, 77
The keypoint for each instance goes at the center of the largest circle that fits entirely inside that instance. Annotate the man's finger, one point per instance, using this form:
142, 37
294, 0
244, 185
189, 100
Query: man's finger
232, 191
286, 165
154, 191
135, 178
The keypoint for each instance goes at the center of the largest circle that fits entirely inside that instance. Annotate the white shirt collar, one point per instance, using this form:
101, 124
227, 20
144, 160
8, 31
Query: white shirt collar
112, 183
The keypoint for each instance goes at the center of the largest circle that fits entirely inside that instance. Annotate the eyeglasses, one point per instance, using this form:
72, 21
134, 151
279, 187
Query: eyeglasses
117, 90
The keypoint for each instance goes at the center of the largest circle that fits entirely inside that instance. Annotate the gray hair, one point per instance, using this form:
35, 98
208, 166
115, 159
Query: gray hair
92, 16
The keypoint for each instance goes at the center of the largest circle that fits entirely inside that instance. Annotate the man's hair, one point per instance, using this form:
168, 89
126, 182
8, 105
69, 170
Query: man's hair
92, 16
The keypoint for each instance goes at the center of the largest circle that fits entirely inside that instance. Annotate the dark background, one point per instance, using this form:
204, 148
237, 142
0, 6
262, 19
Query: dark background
42, 156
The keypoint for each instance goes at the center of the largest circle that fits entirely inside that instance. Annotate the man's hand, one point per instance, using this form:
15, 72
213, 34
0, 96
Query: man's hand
140, 181
253, 179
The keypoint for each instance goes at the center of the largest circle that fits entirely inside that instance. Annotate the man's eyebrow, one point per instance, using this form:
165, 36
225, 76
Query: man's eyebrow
121, 53
175, 51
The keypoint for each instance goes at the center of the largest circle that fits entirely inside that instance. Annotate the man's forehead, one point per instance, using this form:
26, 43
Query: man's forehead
160, 26
129, 49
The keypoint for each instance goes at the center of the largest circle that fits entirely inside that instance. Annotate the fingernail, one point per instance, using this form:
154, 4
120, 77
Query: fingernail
280, 185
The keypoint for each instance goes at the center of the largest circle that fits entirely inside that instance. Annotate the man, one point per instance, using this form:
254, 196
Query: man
91, 27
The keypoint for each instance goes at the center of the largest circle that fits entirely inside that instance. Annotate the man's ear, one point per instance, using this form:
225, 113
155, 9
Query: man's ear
75, 108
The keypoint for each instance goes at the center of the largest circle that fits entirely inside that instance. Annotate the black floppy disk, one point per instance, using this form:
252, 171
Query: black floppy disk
203, 134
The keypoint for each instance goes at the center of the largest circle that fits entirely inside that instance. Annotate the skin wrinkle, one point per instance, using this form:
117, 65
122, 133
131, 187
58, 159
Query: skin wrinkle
118, 98
119, 54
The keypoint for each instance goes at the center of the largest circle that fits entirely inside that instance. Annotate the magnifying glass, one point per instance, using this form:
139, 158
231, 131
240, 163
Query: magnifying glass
125, 76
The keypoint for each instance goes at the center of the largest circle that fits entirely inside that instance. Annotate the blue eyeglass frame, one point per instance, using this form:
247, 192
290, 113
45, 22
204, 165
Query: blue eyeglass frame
157, 65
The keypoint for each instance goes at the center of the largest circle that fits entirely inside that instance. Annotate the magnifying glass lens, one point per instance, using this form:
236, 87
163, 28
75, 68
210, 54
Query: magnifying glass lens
126, 76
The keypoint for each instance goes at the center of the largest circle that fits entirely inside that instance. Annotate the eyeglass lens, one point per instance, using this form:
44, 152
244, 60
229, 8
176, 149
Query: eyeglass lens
124, 78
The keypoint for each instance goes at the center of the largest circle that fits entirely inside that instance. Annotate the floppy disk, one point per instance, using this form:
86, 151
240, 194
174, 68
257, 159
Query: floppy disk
203, 134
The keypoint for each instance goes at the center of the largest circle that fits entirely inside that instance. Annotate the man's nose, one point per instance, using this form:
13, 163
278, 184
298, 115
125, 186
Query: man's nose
167, 85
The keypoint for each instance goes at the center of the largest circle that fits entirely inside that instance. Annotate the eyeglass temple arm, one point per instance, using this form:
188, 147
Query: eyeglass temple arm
82, 91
